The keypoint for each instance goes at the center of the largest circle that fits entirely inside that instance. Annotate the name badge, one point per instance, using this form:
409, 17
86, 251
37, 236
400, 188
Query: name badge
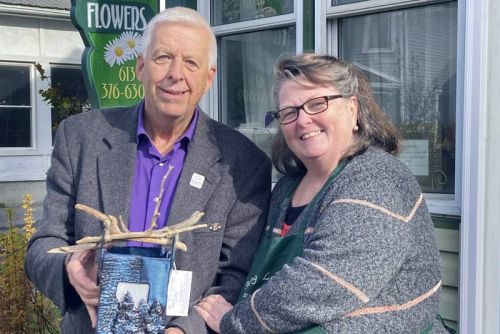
197, 180
179, 289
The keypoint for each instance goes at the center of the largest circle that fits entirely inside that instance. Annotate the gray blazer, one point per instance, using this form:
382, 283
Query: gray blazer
93, 163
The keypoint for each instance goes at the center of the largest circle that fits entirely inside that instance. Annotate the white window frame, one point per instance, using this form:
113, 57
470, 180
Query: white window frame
474, 38
33, 119
327, 41
210, 102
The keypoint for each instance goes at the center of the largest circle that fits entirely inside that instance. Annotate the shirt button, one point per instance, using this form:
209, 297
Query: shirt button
156, 199
161, 164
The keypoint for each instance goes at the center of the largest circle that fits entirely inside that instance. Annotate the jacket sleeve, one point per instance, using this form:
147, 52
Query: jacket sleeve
354, 251
56, 229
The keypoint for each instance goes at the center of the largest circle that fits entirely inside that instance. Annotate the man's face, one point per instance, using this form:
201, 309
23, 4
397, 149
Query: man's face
174, 71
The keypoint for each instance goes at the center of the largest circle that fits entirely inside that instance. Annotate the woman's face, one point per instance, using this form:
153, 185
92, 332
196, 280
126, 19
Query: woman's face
318, 140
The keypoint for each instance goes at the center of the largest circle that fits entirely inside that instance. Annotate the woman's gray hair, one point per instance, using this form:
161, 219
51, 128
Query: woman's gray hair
181, 15
374, 127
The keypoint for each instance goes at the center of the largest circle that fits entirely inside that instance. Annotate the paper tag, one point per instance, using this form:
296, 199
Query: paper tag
179, 289
197, 180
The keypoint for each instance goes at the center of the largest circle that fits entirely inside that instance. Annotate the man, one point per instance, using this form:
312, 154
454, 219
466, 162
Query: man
113, 160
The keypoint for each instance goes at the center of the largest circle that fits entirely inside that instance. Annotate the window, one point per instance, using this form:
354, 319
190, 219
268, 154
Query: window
230, 11
247, 62
410, 58
15, 106
247, 54
68, 82
379, 33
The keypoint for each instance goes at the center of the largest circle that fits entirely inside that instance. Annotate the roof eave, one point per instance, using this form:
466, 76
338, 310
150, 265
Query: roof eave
61, 14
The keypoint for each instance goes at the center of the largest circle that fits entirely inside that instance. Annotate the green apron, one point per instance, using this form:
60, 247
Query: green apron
274, 252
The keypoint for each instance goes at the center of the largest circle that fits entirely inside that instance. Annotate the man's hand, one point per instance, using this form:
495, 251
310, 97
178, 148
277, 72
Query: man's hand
212, 308
174, 330
82, 273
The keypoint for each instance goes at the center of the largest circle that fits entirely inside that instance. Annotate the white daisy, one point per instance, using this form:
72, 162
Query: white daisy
117, 52
133, 41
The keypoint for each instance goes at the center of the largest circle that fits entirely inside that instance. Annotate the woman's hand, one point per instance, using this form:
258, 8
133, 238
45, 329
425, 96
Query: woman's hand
212, 308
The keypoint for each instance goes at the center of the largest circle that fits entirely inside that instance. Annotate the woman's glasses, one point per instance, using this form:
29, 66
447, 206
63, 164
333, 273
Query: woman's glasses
311, 107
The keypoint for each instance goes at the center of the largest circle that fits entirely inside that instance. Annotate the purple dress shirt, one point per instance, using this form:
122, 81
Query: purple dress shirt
150, 167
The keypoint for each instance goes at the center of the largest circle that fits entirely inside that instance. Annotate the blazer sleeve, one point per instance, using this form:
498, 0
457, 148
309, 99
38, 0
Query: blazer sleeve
56, 229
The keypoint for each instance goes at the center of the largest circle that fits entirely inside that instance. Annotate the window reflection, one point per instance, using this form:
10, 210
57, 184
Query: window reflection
246, 78
68, 82
231, 11
409, 57
15, 106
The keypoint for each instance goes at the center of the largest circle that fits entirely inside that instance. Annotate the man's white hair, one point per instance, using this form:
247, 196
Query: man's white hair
181, 15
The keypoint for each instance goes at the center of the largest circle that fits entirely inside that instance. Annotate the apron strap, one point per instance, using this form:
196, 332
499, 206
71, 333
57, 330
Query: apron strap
311, 207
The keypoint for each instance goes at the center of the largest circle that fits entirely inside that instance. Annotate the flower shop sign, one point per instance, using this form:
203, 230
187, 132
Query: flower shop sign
112, 33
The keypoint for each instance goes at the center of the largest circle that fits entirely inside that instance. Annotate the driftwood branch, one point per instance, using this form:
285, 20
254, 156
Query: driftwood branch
159, 199
166, 232
115, 231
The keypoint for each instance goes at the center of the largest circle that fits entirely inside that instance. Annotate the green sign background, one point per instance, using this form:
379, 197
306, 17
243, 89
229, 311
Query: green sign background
112, 33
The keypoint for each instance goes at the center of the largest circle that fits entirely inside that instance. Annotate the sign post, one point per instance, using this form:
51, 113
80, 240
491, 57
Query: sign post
112, 33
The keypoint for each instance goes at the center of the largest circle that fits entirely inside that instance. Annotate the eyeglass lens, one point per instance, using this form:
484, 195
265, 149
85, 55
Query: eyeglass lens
311, 107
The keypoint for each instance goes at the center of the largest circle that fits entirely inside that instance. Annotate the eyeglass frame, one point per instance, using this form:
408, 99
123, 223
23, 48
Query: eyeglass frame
302, 106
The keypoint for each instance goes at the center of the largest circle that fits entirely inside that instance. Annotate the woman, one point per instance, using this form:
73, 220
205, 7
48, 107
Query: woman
349, 244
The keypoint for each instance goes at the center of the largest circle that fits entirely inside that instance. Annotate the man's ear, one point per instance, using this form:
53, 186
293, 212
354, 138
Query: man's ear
139, 66
210, 77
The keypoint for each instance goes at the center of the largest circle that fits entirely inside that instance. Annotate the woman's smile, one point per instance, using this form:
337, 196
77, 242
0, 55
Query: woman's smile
311, 134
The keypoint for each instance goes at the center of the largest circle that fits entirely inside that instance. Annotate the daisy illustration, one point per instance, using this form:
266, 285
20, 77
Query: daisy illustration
116, 51
133, 41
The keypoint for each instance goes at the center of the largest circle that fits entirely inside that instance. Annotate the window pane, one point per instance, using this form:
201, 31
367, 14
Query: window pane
230, 11
409, 57
15, 106
15, 85
246, 78
15, 127
69, 83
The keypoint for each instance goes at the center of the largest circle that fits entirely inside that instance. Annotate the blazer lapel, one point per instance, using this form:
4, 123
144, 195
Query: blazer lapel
117, 164
200, 162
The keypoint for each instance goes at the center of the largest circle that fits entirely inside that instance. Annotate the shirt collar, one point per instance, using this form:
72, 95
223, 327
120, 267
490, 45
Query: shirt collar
185, 138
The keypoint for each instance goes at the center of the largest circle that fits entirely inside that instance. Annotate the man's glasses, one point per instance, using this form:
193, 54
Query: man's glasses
311, 107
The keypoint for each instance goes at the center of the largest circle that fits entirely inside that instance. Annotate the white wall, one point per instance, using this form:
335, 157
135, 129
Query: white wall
30, 40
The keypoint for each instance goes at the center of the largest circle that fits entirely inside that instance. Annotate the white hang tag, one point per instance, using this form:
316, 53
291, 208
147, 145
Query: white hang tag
179, 289
197, 180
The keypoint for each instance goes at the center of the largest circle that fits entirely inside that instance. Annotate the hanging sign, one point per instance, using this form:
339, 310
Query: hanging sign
112, 33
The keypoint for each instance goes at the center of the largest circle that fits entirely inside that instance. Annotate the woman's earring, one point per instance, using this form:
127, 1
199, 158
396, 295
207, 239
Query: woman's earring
356, 128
